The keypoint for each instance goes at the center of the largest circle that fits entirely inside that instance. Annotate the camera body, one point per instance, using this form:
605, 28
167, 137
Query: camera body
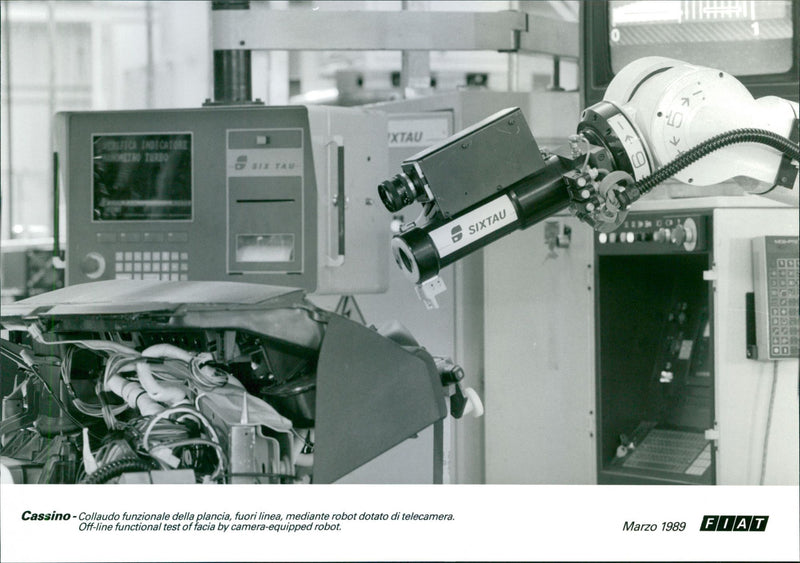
468, 168
475, 187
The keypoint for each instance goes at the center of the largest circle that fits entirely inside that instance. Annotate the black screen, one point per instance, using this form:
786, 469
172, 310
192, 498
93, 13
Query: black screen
142, 177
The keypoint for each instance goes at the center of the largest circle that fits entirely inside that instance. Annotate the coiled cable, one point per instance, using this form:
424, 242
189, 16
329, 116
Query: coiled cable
106, 472
748, 135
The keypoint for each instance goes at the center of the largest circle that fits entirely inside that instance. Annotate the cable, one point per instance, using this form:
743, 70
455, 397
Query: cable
165, 429
66, 370
33, 373
14, 357
116, 468
106, 410
115, 364
149, 428
60, 404
221, 461
101, 345
763, 136
208, 379
96, 411
588, 147
769, 422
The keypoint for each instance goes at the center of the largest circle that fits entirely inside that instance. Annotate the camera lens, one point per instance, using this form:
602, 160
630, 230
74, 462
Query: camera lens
397, 193
405, 259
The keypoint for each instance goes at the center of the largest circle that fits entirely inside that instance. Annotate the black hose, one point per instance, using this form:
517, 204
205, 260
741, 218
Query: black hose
116, 468
694, 154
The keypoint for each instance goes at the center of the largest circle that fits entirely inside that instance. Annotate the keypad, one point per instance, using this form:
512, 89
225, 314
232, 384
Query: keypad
151, 265
783, 275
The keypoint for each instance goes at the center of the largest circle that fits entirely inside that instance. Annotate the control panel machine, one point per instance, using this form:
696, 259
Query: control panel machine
276, 195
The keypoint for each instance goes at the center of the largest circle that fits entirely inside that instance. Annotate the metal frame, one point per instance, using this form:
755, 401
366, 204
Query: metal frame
506, 31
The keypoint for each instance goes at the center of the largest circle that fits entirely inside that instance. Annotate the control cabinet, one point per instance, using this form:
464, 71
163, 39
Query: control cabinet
655, 384
275, 195
625, 357
680, 397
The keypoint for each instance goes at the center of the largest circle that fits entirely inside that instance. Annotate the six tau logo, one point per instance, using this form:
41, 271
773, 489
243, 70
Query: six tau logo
734, 523
456, 234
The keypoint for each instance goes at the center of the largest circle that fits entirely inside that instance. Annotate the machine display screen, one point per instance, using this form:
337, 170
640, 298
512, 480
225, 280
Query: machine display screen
744, 38
142, 177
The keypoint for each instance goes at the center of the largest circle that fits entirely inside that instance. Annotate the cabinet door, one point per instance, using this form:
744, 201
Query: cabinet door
539, 363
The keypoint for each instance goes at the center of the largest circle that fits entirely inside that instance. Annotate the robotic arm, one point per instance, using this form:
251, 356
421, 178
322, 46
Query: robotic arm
660, 118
